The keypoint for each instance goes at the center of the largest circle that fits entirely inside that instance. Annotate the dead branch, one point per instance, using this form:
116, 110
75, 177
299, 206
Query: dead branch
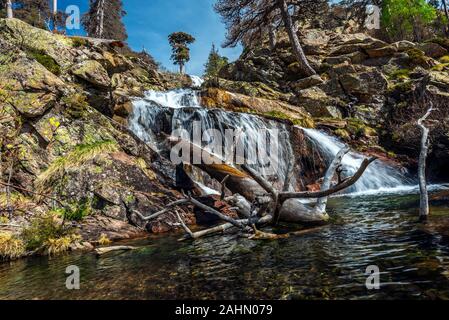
184, 226
223, 187
167, 208
216, 212
224, 227
260, 180
327, 180
424, 195
319, 194
102, 251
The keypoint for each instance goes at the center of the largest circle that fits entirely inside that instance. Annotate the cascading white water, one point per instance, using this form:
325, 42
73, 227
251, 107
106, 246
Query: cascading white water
152, 113
179, 109
196, 81
379, 176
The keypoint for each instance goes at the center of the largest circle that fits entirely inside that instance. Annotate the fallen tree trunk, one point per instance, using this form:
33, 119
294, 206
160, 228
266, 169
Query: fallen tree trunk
102, 251
251, 185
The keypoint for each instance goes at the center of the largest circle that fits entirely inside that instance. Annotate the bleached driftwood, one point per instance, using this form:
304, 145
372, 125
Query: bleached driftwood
424, 195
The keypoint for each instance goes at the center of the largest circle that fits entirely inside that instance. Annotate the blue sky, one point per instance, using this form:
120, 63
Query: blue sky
150, 22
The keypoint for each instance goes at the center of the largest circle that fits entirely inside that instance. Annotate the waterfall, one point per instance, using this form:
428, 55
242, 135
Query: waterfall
196, 81
378, 177
179, 109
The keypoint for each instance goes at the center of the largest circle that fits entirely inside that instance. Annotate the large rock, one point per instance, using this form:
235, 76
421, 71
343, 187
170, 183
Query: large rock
217, 98
307, 82
318, 103
364, 85
93, 72
432, 49
26, 84
386, 51
28, 38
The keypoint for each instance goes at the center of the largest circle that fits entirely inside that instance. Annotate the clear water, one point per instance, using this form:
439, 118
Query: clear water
327, 264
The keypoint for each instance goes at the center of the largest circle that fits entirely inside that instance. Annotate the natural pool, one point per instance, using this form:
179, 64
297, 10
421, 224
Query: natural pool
328, 264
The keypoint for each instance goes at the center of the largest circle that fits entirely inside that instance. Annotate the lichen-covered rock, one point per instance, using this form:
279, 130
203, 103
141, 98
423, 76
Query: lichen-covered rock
364, 85
432, 49
217, 98
26, 84
26, 37
93, 72
315, 101
403, 45
386, 51
307, 82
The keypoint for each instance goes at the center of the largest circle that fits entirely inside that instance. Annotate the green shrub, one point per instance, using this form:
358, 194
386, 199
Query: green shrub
79, 42
44, 59
76, 211
40, 230
11, 247
60, 245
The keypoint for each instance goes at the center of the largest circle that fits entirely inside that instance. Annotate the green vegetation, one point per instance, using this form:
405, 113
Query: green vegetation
60, 245
41, 229
79, 42
404, 19
78, 156
444, 59
400, 74
44, 59
358, 128
11, 247
417, 57
103, 240
214, 63
76, 211
179, 42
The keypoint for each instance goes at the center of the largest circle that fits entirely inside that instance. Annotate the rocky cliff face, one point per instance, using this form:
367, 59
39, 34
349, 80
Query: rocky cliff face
63, 109
365, 92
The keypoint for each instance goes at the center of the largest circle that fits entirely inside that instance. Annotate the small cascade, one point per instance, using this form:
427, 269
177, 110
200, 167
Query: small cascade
378, 176
180, 109
164, 112
196, 81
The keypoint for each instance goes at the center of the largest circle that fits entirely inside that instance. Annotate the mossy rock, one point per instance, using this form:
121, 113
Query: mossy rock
417, 57
400, 74
44, 59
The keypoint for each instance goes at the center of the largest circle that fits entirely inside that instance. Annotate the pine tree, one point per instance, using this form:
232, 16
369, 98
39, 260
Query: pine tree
179, 42
247, 19
214, 63
104, 20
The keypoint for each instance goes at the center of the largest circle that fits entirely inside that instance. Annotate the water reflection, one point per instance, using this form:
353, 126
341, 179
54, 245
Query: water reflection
328, 264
